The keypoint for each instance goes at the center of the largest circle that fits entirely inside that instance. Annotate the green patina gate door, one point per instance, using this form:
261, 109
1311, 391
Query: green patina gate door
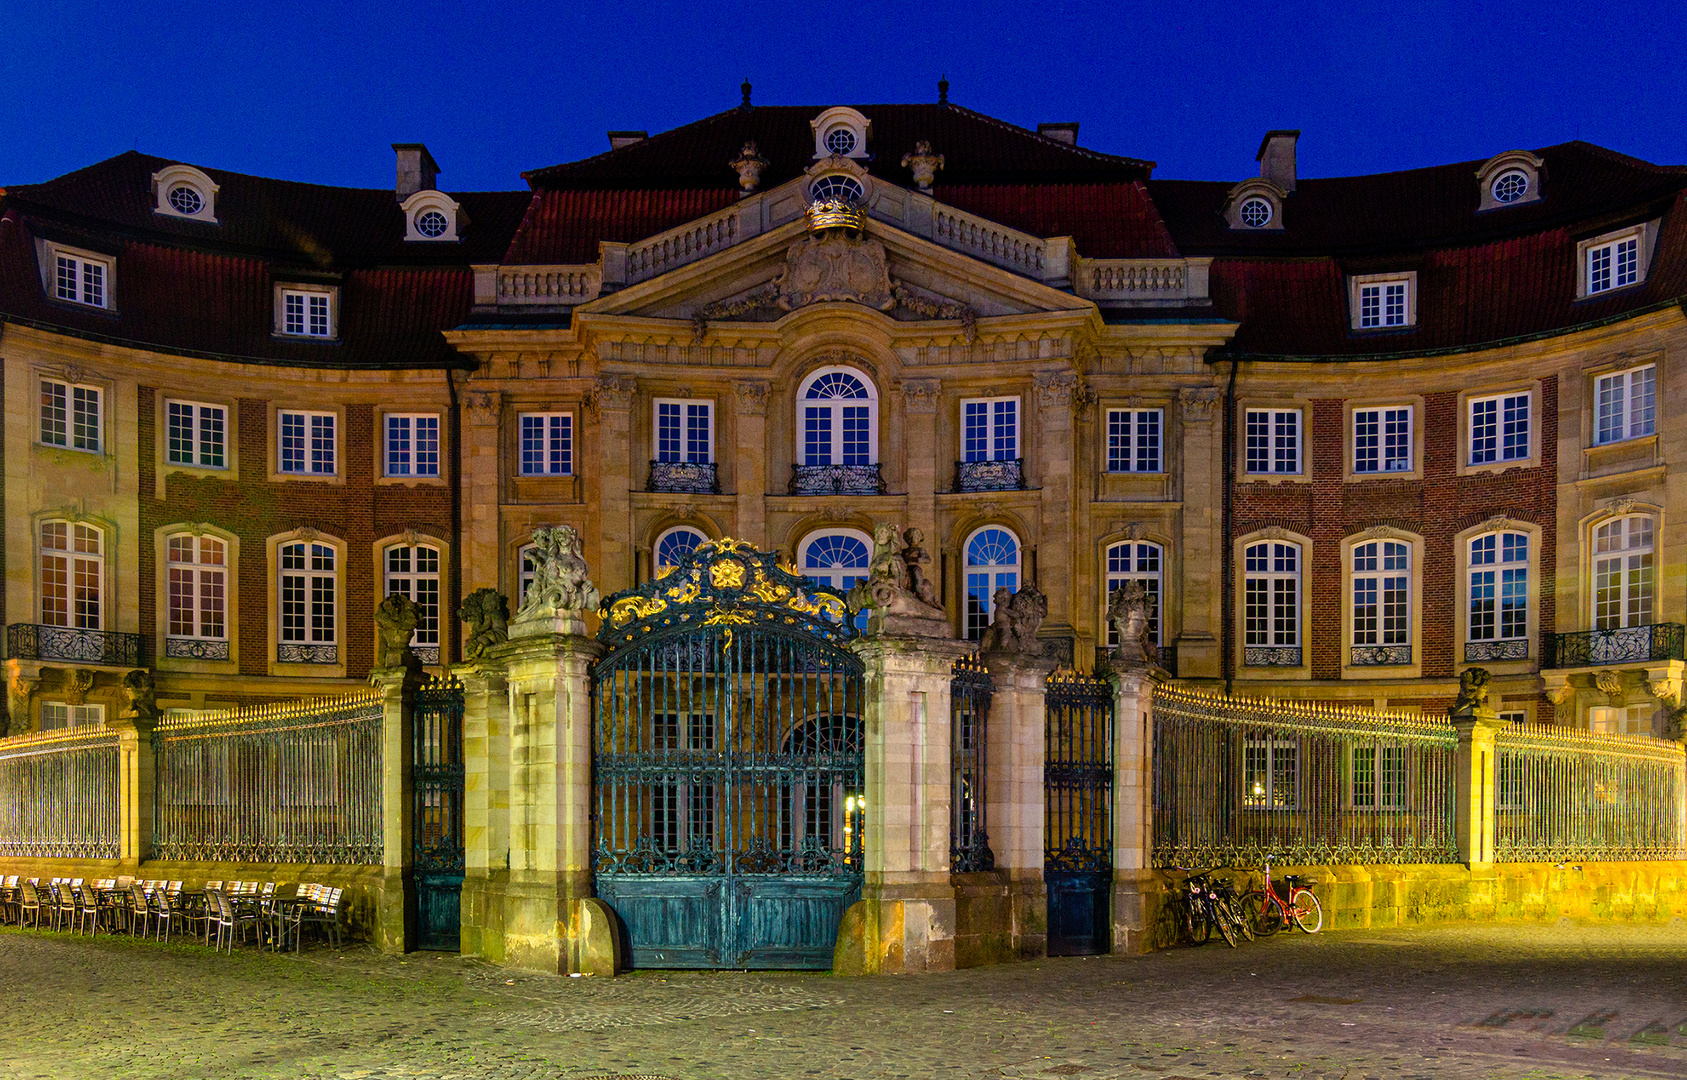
437, 780
728, 765
1078, 819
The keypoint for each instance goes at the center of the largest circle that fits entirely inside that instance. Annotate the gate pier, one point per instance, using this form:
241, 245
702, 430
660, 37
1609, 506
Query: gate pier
1015, 757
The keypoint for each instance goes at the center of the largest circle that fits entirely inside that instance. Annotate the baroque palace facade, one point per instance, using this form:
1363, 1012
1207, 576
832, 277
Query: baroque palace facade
1353, 434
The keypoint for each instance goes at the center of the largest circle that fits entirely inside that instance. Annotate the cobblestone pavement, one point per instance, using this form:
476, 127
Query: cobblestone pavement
1535, 1003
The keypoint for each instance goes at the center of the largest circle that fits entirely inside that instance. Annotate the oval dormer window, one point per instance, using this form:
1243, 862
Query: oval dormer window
431, 223
840, 140
1510, 186
1255, 213
186, 200
838, 186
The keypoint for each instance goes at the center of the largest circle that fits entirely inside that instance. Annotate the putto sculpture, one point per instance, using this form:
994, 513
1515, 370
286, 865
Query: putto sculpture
894, 603
1473, 691
140, 695
487, 614
1129, 610
395, 624
1013, 630
562, 587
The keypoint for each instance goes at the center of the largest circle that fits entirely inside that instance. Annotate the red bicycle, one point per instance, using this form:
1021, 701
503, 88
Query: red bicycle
1272, 913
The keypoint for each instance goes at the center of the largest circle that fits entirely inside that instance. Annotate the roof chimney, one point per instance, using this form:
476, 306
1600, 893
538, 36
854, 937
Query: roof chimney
417, 170
1277, 158
1066, 133
618, 139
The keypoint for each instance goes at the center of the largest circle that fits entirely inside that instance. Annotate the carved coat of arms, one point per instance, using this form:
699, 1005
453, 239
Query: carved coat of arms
835, 266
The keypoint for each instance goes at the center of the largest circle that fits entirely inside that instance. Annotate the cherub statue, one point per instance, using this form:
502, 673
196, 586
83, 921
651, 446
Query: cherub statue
1128, 610
395, 623
561, 581
914, 557
1018, 617
1473, 690
488, 615
885, 594
141, 694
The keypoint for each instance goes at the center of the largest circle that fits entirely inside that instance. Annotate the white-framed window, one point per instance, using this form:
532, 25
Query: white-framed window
1270, 771
685, 430
309, 603
1255, 213
195, 434
305, 312
71, 415
990, 429
81, 278
197, 571
1499, 588
1625, 404
1135, 560
526, 571
547, 443
838, 558
1624, 577
1499, 428
412, 444
838, 418
1273, 442
1620, 720
674, 545
1271, 579
1382, 439
992, 562
186, 192
1379, 775
414, 572
72, 575
1383, 301
1612, 262
1133, 440
1382, 602
837, 186
305, 442
59, 715
1510, 186
431, 215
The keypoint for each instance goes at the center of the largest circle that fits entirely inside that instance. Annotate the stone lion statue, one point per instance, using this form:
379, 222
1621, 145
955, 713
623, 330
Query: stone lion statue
141, 694
561, 579
395, 624
488, 616
1473, 690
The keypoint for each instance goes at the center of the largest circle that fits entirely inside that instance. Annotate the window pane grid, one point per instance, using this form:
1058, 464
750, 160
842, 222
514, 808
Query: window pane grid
1135, 561
1382, 440
1133, 440
547, 444
1271, 591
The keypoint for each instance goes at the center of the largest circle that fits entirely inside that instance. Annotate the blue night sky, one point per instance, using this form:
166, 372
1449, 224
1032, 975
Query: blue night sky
317, 91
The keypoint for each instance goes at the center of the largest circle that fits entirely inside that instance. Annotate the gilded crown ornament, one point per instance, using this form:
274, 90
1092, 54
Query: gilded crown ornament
835, 213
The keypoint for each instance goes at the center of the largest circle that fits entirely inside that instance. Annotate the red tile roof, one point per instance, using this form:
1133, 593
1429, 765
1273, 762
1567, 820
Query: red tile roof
1107, 220
565, 226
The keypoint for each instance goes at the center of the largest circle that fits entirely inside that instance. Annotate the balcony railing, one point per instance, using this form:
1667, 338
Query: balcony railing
837, 480
295, 653
31, 641
183, 648
1271, 656
1512, 649
1379, 655
1619, 645
990, 475
692, 477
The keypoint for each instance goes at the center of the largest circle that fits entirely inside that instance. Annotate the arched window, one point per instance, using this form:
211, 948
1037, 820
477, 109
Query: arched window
524, 573
674, 545
72, 575
1499, 597
838, 418
414, 571
1382, 603
198, 583
1135, 560
309, 607
839, 558
1271, 604
1624, 581
992, 555
818, 811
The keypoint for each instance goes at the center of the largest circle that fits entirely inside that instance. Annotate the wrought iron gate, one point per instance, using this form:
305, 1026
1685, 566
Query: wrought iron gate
1078, 800
437, 779
728, 765
970, 689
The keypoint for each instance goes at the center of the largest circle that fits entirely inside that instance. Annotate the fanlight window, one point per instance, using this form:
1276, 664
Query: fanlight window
839, 420
674, 545
992, 563
837, 186
839, 558
822, 810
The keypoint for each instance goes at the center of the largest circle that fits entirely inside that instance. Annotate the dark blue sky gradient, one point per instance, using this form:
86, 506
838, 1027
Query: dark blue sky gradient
317, 91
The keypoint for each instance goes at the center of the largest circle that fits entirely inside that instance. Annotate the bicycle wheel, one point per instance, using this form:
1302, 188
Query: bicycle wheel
1196, 928
1307, 912
1239, 918
1219, 915
1263, 910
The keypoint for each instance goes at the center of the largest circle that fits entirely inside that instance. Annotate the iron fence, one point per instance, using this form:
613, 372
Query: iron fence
1618, 645
32, 641
59, 796
1078, 774
1236, 779
1562, 794
970, 690
296, 782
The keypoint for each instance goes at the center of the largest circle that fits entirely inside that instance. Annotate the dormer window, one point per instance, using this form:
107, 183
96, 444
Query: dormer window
840, 132
183, 191
76, 276
432, 215
1615, 260
306, 311
1509, 179
1383, 301
840, 141
1255, 204
1255, 213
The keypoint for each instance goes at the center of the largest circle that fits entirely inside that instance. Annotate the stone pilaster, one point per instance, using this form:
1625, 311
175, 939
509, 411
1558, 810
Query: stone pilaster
925, 462
486, 808
482, 552
1057, 452
749, 464
1014, 749
905, 920
395, 902
135, 787
613, 397
1134, 890
1203, 520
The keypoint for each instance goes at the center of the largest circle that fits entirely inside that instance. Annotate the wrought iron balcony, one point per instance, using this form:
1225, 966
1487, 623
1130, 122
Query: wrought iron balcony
693, 477
1379, 655
837, 480
296, 653
1619, 645
31, 641
990, 475
1511, 649
1271, 656
183, 648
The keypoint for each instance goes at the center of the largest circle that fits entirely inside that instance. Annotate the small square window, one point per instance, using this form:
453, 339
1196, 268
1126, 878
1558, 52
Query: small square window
70, 416
1133, 440
1383, 301
195, 434
1613, 261
1273, 442
547, 444
307, 313
305, 443
1499, 428
78, 277
412, 444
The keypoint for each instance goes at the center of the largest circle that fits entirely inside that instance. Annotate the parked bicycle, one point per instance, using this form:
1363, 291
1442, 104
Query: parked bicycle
1202, 905
1270, 912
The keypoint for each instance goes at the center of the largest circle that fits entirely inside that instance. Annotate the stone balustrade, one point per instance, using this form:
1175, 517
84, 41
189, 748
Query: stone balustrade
1142, 280
538, 285
686, 244
993, 243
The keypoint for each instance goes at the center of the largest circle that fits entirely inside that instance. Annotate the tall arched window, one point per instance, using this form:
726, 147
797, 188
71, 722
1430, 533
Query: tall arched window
1624, 581
818, 811
1382, 603
1135, 560
414, 571
993, 562
838, 418
1271, 604
198, 583
837, 557
674, 545
1498, 597
72, 575
309, 607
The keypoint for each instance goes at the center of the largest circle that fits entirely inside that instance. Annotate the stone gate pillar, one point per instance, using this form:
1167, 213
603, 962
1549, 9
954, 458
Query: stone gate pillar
135, 764
486, 798
395, 903
1133, 668
1475, 768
